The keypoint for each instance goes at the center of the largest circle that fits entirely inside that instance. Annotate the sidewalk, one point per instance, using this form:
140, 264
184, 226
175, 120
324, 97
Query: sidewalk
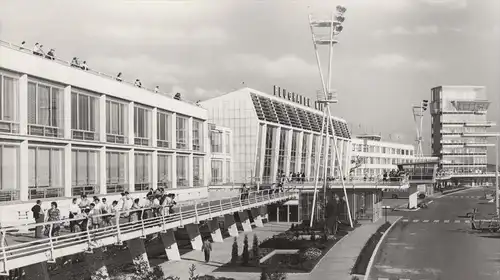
221, 255
337, 263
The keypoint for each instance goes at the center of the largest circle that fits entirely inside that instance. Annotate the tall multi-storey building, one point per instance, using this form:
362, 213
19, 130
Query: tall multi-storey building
460, 129
375, 157
65, 131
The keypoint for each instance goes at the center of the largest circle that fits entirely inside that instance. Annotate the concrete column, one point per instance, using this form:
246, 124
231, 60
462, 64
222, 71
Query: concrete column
67, 170
276, 148
131, 170
37, 271
102, 118
67, 113
245, 221
154, 169
23, 105
138, 253
257, 218
213, 226
230, 225
130, 123
96, 265
298, 159
102, 170
23, 165
171, 249
173, 144
195, 236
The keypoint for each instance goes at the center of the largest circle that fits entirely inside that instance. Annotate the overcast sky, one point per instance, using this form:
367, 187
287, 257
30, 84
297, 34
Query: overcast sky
391, 53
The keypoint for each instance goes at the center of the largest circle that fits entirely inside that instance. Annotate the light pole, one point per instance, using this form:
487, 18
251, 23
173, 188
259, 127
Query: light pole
497, 191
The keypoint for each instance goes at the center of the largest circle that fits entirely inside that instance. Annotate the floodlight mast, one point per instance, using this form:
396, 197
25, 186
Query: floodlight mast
418, 119
327, 97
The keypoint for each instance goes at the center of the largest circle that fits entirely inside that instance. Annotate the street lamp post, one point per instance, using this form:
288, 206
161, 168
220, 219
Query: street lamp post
496, 176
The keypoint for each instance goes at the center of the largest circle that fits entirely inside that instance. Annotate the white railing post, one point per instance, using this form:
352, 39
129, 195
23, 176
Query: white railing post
231, 202
118, 231
248, 198
220, 202
89, 222
196, 220
142, 224
51, 242
180, 216
241, 204
4, 254
162, 214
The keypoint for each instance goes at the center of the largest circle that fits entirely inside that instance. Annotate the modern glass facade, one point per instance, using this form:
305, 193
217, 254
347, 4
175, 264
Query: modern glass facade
460, 128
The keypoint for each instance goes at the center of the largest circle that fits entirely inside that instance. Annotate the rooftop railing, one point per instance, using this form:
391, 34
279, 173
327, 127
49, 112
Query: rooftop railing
18, 255
58, 60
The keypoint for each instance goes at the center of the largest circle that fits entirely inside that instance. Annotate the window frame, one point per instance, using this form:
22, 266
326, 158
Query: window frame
9, 194
145, 130
117, 186
86, 134
11, 125
56, 131
182, 145
88, 187
49, 190
122, 120
165, 140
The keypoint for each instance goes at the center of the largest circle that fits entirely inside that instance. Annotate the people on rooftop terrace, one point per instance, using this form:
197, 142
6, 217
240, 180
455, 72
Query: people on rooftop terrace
74, 62
21, 47
177, 96
84, 66
37, 50
51, 55
138, 83
119, 77
157, 89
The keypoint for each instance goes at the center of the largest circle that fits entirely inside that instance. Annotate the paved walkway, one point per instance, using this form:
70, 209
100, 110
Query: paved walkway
221, 255
337, 263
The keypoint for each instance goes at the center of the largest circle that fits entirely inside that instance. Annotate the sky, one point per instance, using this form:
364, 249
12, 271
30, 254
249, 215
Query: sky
390, 53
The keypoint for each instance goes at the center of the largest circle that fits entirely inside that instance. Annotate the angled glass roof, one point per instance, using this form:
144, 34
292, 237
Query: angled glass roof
471, 105
282, 113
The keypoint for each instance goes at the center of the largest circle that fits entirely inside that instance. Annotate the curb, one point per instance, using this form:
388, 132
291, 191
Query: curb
375, 251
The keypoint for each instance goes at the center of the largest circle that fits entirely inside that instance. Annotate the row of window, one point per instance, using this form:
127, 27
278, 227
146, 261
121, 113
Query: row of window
45, 111
381, 160
217, 142
217, 172
46, 169
379, 149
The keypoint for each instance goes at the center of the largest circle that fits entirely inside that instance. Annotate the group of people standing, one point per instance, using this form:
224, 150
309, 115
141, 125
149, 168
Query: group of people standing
85, 213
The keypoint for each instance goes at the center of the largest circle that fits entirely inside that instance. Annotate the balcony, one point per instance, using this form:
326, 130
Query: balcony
84, 135
9, 127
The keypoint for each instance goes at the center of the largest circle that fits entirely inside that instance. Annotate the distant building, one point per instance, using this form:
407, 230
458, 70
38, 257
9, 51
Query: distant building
371, 157
460, 129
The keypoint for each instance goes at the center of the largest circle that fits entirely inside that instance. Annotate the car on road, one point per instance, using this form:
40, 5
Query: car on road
395, 193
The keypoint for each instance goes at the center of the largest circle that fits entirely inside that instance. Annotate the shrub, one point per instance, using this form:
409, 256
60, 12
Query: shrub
292, 227
273, 275
313, 236
263, 275
234, 252
246, 254
310, 254
256, 249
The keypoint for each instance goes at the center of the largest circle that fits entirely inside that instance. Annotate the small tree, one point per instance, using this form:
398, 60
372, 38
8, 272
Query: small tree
313, 236
246, 253
234, 252
256, 249
264, 275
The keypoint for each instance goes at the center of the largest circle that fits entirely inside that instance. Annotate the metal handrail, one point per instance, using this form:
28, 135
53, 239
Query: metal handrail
89, 70
152, 225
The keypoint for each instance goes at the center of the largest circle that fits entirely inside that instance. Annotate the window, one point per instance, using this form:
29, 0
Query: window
164, 171
228, 143
141, 126
9, 104
182, 171
313, 156
216, 141
84, 172
84, 112
197, 135
304, 154
116, 122
282, 154
142, 171
181, 133
198, 171
9, 173
45, 172
163, 123
216, 172
268, 155
117, 172
228, 171
45, 110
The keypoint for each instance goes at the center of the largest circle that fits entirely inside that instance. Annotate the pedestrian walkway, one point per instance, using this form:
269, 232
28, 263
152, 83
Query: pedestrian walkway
221, 255
464, 196
338, 262
415, 221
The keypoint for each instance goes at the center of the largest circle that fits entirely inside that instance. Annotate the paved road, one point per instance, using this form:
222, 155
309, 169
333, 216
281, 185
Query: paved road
438, 243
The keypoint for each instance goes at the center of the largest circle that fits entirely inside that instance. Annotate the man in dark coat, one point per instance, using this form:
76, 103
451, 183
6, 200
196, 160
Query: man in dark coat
333, 214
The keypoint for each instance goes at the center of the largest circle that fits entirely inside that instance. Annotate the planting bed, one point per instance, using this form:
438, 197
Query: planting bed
366, 253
